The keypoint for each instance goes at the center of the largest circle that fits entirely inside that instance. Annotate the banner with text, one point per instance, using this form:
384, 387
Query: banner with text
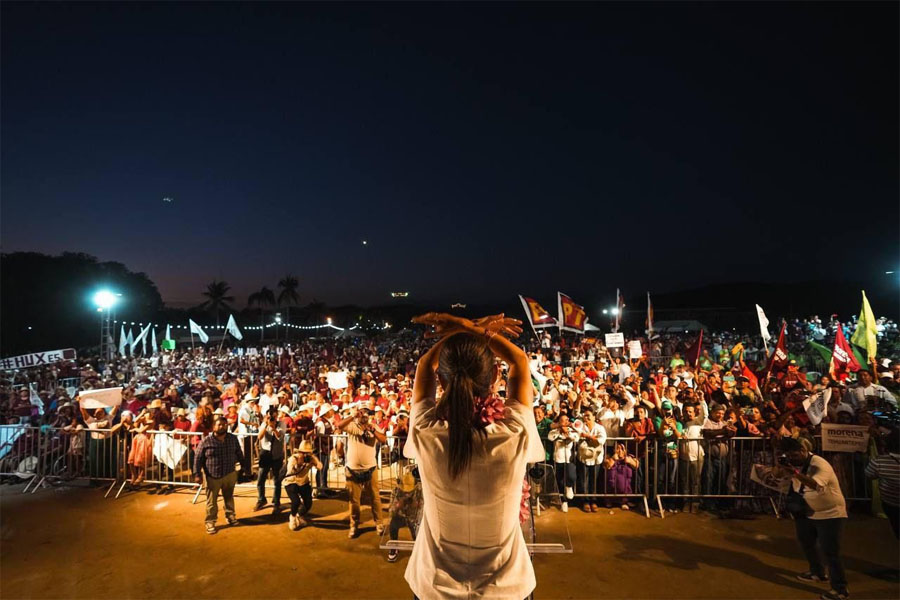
844, 438
37, 359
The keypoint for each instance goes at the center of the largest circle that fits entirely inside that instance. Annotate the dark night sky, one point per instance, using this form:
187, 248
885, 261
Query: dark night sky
482, 150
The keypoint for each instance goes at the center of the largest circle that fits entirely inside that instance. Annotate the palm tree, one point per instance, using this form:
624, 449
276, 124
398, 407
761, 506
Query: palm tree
288, 296
263, 298
217, 298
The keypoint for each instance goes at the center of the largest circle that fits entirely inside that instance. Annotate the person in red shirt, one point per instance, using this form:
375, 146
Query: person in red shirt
181, 422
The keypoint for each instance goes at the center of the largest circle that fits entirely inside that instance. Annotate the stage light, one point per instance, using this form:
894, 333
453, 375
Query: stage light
614, 311
329, 320
605, 311
104, 299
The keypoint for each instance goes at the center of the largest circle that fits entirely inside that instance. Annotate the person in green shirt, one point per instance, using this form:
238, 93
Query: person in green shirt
706, 362
669, 431
543, 427
676, 361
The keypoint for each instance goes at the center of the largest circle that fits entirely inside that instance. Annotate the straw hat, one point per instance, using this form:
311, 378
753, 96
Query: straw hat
157, 403
305, 446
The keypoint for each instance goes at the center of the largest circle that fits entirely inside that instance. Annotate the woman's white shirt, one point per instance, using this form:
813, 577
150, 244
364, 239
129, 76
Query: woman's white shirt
470, 543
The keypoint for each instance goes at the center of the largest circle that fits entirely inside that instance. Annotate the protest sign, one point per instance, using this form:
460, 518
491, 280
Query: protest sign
37, 359
338, 380
615, 340
168, 450
105, 398
844, 438
634, 349
766, 476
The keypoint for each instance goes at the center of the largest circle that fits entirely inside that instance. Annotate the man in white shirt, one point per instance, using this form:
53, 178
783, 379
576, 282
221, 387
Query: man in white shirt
822, 525
564, 436
691, 453
857, 395
361, 471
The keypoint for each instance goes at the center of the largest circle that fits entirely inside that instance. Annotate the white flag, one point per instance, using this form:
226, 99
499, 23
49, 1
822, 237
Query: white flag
122, 341
200, 333
815, 406
168, 332
763, 324
153, 347
129, 339
232, 328
35, 399
141, 339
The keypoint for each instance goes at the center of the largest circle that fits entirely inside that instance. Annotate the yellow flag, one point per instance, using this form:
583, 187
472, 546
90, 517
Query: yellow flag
865, 335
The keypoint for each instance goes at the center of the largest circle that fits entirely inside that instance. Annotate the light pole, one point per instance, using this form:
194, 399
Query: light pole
104, 300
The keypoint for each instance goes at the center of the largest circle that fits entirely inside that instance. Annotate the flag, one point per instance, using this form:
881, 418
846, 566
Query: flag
232, 328
129, 339
763, 324
153, 347
749, 374
692, 354
141, 339
122, 341
866, 332
200, 333
649, 315
168, 344
815, 406
571, 315
779, 359
35, 399
620, 306
842, 359
537, 314
168, 332
824, 352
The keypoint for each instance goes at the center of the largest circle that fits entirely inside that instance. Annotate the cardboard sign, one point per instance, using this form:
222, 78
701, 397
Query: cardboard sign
845, 438
337, 381
37, 359
615, 340
105, 398
634, 349
766, 476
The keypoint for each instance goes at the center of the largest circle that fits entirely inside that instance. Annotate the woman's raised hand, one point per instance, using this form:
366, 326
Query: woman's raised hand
446, 324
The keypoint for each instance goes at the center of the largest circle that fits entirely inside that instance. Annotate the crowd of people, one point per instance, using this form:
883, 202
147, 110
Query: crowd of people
614, 427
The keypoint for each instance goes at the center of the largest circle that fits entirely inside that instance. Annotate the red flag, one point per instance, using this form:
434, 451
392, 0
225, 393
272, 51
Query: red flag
692, 354
746, 372
537, 314
779, 359
571, 315
842, 359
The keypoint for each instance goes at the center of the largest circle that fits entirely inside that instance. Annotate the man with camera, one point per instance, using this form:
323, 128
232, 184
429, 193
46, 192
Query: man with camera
362, 435
817, 504
271, 457
297, 484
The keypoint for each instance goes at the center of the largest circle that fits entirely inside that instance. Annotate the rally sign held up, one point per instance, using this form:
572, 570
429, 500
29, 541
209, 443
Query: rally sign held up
615, 340
105, 398
37, 359
844, 438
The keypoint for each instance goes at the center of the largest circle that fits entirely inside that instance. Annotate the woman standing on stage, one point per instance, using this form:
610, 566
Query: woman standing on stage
472, 448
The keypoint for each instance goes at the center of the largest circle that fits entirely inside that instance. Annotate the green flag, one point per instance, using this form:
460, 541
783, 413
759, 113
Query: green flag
168, 344
866, 329
824, 352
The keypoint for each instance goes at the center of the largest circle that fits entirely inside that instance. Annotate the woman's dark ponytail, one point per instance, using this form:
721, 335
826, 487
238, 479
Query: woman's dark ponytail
466, 366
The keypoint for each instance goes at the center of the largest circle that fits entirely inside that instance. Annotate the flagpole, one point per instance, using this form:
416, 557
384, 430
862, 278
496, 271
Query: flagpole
192, 340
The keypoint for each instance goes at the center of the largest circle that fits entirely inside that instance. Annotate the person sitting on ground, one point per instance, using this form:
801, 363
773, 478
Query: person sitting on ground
297, 483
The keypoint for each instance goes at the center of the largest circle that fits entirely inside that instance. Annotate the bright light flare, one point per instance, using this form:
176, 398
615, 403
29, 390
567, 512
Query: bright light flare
104, 299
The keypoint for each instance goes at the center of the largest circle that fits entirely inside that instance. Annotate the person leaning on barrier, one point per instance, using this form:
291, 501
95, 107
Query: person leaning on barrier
216, 457
297, 484
818, 507
362, 437
563, 436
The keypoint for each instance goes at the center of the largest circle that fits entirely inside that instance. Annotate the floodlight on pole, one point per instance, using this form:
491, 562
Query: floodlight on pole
614, 311
105, 299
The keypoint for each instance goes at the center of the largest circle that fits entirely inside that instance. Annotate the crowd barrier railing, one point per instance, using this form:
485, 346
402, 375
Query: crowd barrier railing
594, 482
710, 469
20, 453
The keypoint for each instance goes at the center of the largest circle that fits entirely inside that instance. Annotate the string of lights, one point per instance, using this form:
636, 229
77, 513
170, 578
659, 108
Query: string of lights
251, 327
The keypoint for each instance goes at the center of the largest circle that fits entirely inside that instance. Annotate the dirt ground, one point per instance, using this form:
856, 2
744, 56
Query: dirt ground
73, 543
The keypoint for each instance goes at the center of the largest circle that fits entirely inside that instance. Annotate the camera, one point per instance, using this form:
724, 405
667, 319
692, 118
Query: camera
307, 458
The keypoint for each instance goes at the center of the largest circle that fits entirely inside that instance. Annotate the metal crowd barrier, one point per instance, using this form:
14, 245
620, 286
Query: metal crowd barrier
716, 469
623, 481
20, 452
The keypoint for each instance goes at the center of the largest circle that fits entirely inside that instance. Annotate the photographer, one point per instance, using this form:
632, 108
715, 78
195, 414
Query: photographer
271, 457
297, 485
564, 436
362, 436
818, 507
